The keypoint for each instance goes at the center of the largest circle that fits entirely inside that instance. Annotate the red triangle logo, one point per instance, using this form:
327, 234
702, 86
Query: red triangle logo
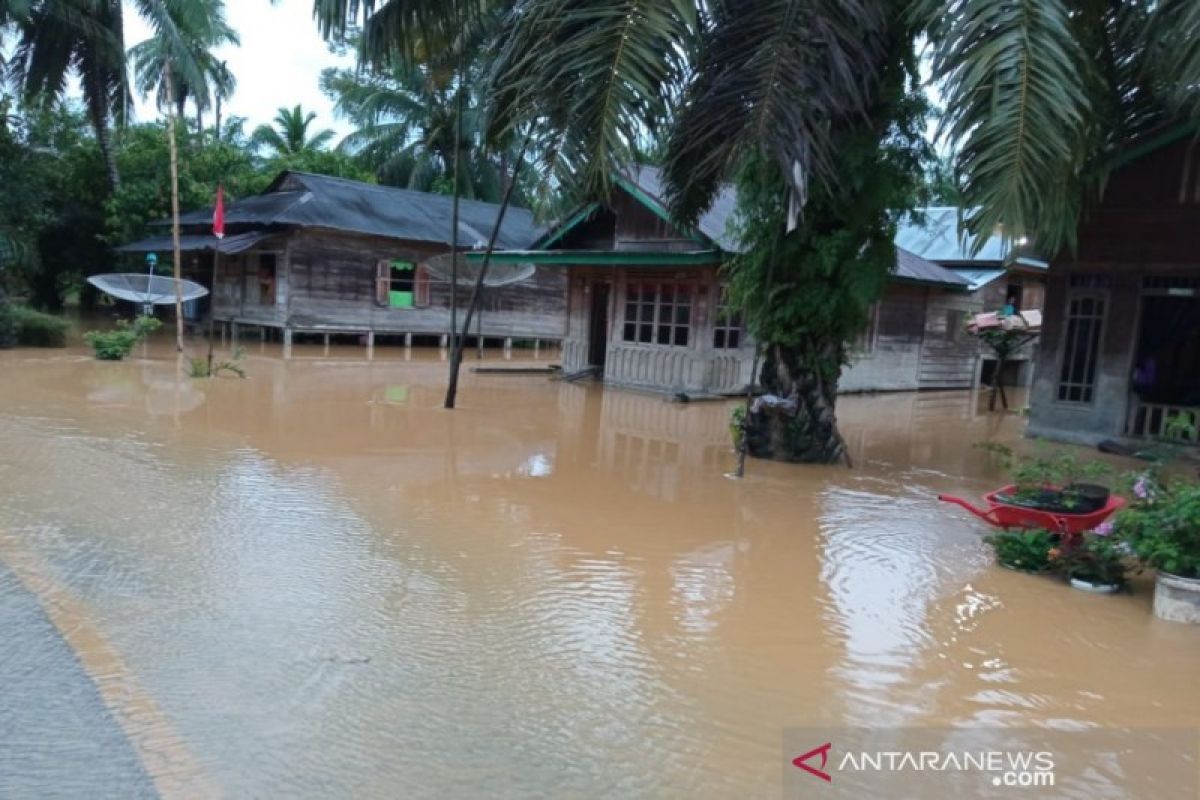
823, 751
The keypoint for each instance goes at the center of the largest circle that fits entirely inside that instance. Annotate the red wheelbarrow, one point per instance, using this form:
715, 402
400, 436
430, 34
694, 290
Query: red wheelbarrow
1004, 515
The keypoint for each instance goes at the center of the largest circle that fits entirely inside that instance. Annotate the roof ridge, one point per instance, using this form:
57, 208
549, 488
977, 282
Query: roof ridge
403, 190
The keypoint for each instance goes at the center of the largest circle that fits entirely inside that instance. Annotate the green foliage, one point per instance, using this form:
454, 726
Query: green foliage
837, 262
1025, 550
8, 326
737, 425
36, 329
1162, 524
289, 134
116, 344
198, 367
1093, 557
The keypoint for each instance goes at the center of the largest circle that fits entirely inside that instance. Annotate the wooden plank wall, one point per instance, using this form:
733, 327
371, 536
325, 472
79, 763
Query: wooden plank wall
948, 352
888, 358
326, 281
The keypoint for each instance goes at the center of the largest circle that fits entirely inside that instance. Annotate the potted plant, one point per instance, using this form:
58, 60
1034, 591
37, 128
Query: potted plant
1057, 482
1094, 562
1023, 550
1162, 528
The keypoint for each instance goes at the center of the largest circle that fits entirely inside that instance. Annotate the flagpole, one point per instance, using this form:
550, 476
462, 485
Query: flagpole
219, 232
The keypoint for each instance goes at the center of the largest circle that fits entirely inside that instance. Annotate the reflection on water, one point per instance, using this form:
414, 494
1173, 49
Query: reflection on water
334, 587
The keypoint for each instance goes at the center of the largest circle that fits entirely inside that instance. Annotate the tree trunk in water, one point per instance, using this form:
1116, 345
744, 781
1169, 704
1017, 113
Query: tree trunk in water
175, 211
795, 421
456, 354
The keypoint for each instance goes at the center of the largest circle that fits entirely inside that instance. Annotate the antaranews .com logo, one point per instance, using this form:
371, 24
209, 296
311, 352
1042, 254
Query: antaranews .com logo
1021, 768
960, 763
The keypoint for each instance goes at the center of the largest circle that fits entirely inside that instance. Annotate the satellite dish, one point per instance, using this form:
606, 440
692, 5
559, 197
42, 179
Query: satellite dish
468, 272
149, 290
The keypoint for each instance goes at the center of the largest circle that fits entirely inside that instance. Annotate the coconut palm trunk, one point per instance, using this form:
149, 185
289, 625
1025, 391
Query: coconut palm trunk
795, 419
178, 258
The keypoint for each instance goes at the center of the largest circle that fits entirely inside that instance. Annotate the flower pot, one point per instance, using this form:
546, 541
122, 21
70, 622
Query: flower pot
1088, 497
1095, 588
1177, 599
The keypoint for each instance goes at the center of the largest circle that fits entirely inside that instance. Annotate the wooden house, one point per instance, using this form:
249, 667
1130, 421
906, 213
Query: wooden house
319, 254
996, 275
1120, 353
646, 306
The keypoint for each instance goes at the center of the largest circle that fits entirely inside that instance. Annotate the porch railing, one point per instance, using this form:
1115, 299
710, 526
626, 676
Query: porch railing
1163, 421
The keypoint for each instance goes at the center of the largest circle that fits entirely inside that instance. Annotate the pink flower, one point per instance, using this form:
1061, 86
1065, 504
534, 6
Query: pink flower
1141, 488
1104, 528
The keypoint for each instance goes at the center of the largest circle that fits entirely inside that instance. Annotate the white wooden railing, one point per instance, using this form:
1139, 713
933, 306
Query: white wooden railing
1152, 420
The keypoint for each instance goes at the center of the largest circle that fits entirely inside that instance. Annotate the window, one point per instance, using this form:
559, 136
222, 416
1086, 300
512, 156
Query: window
658, 313
266, 279
1085, 316
955, 326
864, 343
401, 284
727, 327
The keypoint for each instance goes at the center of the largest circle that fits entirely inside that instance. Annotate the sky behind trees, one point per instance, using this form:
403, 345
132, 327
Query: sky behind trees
279, 62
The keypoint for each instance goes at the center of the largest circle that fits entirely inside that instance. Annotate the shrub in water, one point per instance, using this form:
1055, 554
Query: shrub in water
35, 329
1028, 551
114, 345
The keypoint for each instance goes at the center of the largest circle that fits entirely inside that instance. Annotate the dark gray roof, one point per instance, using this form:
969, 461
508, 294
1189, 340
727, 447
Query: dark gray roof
714, 223
230, 244
319, 201
911, 267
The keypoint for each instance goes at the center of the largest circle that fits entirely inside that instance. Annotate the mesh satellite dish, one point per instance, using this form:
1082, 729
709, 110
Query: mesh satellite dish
468, 272
149, 290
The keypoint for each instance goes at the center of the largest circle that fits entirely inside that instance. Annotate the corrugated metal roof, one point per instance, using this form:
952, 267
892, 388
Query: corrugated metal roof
911, 267
319, 201
978, 278
230, 244
935, 237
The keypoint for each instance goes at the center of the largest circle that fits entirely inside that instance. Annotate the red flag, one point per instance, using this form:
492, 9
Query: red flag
219, 214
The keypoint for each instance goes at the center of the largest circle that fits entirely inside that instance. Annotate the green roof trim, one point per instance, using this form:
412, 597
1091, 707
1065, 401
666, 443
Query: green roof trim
562, 230
618, 258
1156, 142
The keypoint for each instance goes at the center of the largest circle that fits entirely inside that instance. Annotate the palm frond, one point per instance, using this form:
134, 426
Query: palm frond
600, 72
1015, 84
774, 77
1174, 38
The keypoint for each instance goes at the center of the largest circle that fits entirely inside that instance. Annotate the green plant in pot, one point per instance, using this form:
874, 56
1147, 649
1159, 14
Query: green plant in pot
1024, 550
1093, 562
1162, 528
1058, 482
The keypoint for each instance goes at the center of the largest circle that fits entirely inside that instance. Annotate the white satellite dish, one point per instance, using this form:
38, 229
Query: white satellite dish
149, 290
468, 271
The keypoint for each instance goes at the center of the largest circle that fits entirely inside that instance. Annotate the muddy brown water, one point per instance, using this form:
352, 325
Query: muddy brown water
329, 586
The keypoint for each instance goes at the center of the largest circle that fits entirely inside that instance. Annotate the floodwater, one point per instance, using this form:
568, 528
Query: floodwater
315, 582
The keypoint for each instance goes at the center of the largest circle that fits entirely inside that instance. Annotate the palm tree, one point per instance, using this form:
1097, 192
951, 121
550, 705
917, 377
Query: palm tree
289, 136
406, 129
199, 75
1038, 107
223, 85
60, 38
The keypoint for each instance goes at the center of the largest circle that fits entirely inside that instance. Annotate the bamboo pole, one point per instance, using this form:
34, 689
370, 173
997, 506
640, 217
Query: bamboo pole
178, 258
